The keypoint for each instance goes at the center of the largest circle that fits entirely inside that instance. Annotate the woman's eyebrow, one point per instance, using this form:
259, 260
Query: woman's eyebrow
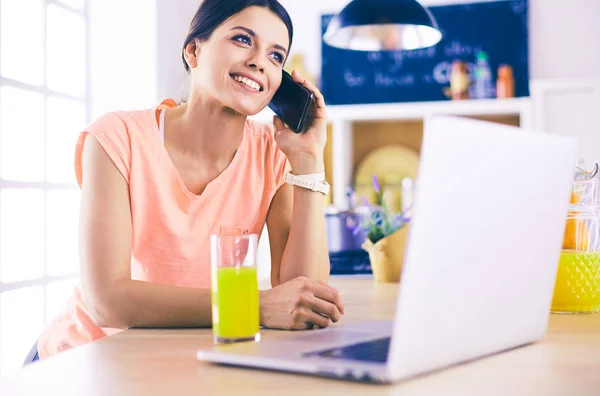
252, 33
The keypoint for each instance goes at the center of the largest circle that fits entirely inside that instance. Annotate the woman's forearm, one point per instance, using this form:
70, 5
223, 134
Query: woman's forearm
306, 251
131, 303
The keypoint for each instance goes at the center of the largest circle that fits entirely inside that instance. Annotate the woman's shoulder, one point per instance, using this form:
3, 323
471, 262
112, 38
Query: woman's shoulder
120, 118
128, 122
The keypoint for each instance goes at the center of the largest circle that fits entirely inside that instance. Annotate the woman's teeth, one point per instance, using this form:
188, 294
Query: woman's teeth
252, 84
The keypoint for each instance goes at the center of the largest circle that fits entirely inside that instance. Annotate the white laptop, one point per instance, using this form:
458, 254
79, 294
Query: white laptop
480, 264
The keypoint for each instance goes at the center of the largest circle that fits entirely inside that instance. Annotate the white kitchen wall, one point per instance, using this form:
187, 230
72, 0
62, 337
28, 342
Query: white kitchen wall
173, 20
565, 39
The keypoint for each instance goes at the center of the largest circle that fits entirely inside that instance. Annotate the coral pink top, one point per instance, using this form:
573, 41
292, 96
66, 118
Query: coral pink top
171, 225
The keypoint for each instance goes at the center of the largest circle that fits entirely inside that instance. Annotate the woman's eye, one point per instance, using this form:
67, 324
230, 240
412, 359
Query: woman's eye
278, 57
242, 38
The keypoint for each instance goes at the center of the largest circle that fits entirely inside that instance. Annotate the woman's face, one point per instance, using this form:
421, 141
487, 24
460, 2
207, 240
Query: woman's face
240, 65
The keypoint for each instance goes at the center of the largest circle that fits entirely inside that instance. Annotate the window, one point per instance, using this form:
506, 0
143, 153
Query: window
44, 104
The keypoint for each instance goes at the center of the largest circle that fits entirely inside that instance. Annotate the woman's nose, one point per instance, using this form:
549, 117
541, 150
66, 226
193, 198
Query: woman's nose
256, 67
254, 64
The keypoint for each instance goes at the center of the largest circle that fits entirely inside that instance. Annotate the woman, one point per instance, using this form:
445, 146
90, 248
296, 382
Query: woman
157, 183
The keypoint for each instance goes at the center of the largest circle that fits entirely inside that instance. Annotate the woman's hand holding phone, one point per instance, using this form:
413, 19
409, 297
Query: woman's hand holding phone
305, 150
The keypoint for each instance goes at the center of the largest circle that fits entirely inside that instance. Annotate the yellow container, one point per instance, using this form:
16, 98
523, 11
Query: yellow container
387, 256
577, 287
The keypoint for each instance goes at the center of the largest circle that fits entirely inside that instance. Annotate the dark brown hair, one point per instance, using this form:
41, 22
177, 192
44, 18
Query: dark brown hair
212, 13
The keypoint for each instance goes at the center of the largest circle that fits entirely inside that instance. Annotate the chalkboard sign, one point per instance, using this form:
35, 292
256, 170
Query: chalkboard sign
498, 28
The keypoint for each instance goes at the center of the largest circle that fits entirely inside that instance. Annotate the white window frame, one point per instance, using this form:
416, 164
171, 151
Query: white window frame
46, 186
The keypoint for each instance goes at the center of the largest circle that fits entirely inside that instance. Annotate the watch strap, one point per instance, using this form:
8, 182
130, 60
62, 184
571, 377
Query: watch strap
314, 185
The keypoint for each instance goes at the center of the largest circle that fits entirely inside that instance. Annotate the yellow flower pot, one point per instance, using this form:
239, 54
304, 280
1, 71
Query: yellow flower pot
387, 256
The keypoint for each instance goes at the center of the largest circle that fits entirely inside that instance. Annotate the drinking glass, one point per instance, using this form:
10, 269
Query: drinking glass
234, 288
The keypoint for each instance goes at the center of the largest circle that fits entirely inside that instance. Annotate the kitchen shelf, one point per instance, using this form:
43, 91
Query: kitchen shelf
420, 110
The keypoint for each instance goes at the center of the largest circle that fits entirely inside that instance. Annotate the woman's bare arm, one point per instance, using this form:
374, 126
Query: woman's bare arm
297, 236
113, 298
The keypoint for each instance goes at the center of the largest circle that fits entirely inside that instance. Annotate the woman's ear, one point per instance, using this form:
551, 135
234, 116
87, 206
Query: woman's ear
191, 52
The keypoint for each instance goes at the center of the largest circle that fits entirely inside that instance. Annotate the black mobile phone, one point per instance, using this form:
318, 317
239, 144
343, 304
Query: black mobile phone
292, 103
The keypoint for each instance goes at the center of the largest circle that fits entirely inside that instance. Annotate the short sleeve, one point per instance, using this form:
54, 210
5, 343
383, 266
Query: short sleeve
112, 134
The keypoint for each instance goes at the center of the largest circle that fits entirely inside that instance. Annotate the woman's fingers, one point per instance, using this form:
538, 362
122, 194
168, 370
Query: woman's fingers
305, 318
278, 124
318, 96
327, 293
325, 308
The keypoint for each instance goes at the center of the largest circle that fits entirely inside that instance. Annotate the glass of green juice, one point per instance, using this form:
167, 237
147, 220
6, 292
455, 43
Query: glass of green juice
234, 288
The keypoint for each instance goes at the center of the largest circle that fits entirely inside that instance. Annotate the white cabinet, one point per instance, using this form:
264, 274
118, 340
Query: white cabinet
570, 108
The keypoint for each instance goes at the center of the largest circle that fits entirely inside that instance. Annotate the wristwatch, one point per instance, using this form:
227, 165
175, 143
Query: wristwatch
315, 182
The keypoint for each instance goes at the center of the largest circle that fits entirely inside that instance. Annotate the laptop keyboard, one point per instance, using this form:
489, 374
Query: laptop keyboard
370, 351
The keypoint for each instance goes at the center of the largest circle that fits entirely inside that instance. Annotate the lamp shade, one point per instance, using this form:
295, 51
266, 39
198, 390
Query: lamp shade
383, 25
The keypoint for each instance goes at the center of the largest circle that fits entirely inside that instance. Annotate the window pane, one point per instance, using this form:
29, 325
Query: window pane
22, 40
118, 79
62, 214
21, 235
21, 135
64, 120
66, 51
77, 4
57, 294
21, 322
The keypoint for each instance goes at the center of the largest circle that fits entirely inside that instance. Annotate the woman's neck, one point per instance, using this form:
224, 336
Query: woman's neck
205, 129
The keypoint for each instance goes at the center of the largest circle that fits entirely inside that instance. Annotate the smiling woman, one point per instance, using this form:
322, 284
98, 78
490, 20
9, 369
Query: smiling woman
157, 183
261, 34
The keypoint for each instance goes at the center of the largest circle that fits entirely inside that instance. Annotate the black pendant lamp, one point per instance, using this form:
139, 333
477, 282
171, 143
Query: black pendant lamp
383, 25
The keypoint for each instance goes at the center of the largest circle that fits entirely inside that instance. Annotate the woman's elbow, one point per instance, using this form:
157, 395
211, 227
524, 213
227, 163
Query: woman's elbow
104, 309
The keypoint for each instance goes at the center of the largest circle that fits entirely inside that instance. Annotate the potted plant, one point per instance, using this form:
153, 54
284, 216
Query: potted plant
386, 237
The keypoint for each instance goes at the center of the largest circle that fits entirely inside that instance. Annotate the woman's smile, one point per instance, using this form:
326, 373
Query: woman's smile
247, 82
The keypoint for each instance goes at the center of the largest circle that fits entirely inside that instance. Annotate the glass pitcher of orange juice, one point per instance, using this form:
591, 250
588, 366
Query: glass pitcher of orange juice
577, 287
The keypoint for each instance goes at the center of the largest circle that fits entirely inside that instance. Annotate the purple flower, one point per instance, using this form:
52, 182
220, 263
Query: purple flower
406, 211
376, 184
366, 202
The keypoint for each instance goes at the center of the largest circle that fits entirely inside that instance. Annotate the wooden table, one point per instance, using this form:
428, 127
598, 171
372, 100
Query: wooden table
162, 362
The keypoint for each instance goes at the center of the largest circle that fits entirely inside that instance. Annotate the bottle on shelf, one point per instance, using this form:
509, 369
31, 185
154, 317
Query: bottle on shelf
459, 81
482, 86
505, 84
